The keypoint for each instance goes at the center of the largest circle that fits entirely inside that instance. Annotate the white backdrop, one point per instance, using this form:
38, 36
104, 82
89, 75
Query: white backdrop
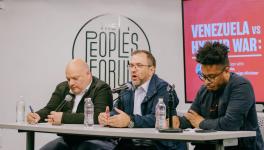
36, 38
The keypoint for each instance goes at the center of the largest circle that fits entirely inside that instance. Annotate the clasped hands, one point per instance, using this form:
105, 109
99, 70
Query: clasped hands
194, 118
119, 121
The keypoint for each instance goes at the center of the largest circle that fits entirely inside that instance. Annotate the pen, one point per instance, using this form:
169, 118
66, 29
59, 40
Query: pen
31, 109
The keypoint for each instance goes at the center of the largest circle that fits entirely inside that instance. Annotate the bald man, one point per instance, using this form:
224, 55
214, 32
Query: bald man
81, 84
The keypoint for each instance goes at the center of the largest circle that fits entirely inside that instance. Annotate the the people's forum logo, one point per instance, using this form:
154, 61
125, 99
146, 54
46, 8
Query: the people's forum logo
105, 42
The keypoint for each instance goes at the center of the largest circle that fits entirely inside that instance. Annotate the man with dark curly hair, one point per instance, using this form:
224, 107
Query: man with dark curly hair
226, 101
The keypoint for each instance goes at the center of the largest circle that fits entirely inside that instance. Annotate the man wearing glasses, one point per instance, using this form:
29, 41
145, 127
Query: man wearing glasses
136, 107
226, 101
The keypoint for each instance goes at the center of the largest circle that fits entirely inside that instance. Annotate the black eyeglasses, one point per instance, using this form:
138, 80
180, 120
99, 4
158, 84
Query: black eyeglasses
210, 78
137, 66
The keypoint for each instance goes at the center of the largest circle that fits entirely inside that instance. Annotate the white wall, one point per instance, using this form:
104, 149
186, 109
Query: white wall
36, 38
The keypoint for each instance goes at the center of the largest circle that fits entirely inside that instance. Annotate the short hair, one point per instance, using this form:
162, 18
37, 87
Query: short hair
150, 57
213, 53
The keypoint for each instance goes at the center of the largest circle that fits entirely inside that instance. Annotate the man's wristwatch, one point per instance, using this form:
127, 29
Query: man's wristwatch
131, 122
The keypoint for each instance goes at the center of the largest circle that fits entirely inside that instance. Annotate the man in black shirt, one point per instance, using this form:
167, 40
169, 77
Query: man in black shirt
226, 101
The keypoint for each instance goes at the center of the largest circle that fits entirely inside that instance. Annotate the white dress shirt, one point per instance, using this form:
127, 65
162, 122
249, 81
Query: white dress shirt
140, 94
78, 98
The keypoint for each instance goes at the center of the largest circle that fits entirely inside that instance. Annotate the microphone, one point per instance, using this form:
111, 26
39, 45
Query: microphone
126, 86
129, 86
170, 89
68, 98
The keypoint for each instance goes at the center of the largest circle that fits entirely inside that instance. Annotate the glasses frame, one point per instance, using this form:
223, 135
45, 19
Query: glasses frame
210, 79
138, 65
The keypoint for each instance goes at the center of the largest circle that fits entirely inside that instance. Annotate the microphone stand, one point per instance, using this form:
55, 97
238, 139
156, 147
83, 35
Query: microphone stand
170, 107
116, 100
123, 92
69, 97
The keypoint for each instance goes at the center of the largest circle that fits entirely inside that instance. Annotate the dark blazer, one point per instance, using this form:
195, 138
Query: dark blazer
157, 89
236, 111
99, 92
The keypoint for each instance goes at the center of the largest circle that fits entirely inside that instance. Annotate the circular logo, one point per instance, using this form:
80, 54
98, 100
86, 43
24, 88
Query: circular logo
105, 42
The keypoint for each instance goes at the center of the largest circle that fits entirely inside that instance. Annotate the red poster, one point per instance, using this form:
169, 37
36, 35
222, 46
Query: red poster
237, 23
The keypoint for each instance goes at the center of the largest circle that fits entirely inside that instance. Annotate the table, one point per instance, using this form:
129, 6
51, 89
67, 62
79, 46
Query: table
222, 138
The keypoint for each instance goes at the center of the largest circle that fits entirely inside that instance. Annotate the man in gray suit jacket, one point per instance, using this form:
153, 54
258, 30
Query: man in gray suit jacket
81, 84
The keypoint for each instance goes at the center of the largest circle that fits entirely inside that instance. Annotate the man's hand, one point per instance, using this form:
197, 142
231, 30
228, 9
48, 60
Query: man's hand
54, 118
33, 118
121, 120
103, 117
175, 121
194, 118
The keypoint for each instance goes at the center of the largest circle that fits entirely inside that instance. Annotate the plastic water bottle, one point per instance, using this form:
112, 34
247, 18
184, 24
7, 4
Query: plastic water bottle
160, 115
20, 110
88, 112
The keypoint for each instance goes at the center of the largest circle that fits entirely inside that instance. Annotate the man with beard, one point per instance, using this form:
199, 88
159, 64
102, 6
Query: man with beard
136, 107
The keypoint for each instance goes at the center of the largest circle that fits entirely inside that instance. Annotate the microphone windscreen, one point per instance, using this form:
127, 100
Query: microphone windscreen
68, 98
170, 87
130, 86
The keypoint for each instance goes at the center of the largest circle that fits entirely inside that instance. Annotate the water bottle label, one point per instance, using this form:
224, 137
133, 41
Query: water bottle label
20, 117
88, 114
20, 112
160, 115
162, 122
